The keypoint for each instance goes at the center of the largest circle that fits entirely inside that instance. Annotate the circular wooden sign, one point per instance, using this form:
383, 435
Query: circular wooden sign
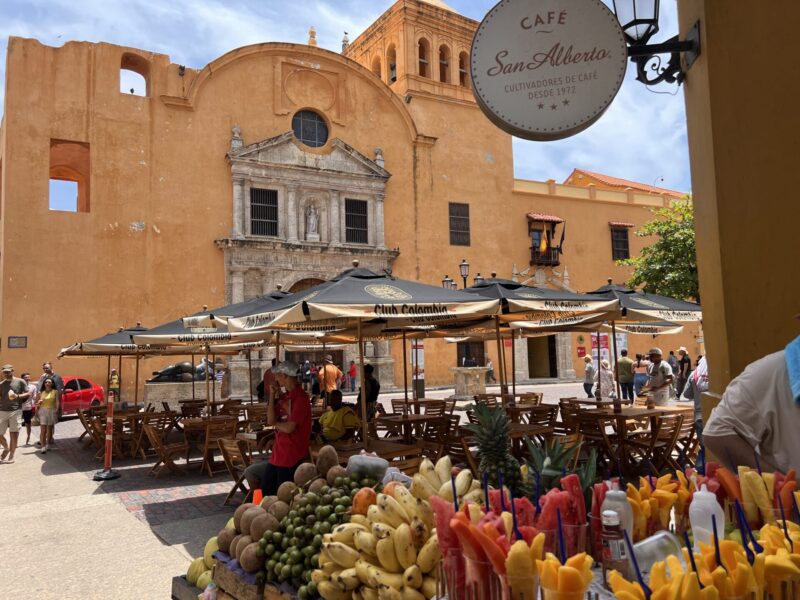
547, 69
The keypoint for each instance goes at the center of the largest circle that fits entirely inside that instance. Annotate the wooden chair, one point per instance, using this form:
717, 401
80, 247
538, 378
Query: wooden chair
216, 428
688, 444
595, 432
449, 405
531, 398
84, 420
434, 408
568, 441
231, 408
409, 466
489, 399
654, 448
234, 454
166, 453
192, 410
399, 406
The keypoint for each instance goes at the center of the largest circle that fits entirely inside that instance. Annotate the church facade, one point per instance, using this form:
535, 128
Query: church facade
278, 165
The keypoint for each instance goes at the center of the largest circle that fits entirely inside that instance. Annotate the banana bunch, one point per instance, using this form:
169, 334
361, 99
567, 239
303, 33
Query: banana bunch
391, 553
435, 480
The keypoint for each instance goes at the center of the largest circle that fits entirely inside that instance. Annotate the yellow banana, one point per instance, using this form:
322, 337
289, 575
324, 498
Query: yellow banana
318, 575
380, 577
388, 556
330, 567
342, 554
331, 591
360, 520
463, 481
422, 488
386, 592
420, 532
428, 588
475, 496
409, 593
376, 514
344, 533
429, 556
363, 571
381, 530
356, 595
327, 537
404, 546
369, 593
393, 511
412, 577
443, 468
475, 485
348, 580
428, 471
425, 512
365, 542
407, 501
446, 490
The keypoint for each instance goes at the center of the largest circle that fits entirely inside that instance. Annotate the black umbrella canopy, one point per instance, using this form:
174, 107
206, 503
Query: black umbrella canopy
544, 307
116, 343
641, 306
361, 295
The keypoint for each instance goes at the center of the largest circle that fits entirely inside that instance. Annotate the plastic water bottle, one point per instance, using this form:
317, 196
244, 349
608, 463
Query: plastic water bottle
617, 500
210, 593
704, 505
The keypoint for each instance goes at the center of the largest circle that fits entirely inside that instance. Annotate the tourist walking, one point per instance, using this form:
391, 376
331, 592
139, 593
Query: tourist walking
659, 378
13, 392
352, 374
490, 370
588, 376
58, 384
605, 381
27, 407
330, 377
47, 411
625, 372
684, 369
640, 374
696, 385
672, 361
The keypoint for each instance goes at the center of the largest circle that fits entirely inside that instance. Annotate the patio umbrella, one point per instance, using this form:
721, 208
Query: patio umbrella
358, 297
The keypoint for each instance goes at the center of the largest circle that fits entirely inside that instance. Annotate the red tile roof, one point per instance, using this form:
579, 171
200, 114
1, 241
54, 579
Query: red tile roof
545, 218
621, 224
624, 183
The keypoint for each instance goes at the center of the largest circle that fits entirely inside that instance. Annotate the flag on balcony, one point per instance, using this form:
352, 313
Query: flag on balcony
543, 241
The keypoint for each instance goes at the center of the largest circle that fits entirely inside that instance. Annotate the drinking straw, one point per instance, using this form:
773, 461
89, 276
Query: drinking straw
517, 532
691, 556
563, 472
758, 462
757, 548
455, 496
647, 590
650, 473
502, 491
783, 518
751, 558
538, 490
562, 550
717, 554
486, 490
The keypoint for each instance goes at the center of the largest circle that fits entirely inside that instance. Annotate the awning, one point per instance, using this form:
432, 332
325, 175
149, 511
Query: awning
620, 224
534, 216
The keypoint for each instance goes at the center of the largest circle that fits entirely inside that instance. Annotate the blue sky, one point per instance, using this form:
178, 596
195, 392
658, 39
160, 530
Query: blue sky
641, 137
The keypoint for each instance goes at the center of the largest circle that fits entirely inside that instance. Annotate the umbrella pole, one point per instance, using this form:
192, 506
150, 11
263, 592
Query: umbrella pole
119, 372
194, 376
250, 373
414, 372
108, 372
364, 427
500, 354
136, 383
513, 365
598, 360
616, 362
405, 368
208, 392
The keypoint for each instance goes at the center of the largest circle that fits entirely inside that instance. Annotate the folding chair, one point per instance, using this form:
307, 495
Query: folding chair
216, 428
166, 453
234, 454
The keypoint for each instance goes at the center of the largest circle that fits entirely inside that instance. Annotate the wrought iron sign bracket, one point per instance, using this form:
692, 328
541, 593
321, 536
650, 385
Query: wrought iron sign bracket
650, 66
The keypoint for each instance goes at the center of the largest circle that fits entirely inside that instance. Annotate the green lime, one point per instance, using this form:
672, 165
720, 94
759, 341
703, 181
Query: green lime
302, 593
311, 587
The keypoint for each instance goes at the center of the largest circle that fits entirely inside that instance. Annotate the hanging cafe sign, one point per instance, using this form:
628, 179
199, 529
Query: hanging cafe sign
547, 69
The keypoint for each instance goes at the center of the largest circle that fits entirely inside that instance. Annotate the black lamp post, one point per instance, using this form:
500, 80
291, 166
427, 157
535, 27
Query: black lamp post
478, 279
447, 282
464, 268
639, 22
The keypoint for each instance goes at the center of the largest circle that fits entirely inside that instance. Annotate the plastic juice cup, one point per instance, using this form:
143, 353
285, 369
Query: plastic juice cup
551, 594
575, 539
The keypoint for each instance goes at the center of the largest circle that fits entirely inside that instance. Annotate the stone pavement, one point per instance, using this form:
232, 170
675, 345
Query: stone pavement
72, 537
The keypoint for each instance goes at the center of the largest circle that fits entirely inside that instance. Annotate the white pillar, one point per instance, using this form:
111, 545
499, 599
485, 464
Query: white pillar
335, 219
379, 231
564, 356
291, 213
237, 284
238, 207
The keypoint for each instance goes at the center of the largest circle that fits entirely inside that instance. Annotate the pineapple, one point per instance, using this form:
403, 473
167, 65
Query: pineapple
494, 445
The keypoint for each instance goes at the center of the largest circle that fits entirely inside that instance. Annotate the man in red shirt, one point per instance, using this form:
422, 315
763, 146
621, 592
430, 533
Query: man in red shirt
289, 411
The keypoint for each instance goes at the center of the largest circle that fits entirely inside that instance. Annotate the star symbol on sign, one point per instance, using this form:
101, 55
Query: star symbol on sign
566, 102
541, 106
553, 106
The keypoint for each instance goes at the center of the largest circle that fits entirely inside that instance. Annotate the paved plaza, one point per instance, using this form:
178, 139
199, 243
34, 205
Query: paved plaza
124, 538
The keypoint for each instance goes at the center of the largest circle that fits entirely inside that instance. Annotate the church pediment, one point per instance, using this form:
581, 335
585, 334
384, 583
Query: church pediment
285, 151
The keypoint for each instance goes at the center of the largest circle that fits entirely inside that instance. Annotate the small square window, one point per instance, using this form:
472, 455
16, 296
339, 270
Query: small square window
63, 195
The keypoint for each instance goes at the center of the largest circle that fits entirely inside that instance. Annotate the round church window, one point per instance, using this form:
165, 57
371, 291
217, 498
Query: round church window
310, 128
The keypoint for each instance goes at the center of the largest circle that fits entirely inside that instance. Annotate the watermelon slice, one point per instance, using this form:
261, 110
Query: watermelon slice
598, 497
528, 533
503, 543
526, 512
494, 500
572, 484
468, 541
444, 511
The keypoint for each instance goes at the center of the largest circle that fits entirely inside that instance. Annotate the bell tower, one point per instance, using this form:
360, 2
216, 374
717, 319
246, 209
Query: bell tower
418, 47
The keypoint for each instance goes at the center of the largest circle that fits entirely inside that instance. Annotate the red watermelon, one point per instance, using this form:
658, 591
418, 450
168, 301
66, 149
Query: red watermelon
444, 511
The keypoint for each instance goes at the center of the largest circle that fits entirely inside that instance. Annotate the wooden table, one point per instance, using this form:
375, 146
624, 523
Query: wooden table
384, 449
417, 405
409, 423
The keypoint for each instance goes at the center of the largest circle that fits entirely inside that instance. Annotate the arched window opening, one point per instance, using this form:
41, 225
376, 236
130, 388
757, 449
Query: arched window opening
134, 75
376, 66
424, 50
391, 64
463, 73
69, 176
444, 64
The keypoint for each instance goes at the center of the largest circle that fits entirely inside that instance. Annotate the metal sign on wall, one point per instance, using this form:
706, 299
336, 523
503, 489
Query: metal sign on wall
547, 69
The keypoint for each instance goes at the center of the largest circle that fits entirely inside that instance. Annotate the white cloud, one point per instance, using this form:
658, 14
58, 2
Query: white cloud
641, 137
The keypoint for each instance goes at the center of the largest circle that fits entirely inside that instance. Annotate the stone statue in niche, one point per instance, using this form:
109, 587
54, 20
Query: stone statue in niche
379, 157
312, 224
236, 137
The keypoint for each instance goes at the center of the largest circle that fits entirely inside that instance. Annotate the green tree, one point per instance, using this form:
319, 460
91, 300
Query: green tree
668, 266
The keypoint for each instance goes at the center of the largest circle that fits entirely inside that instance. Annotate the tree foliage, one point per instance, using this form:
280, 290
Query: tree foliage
668, 266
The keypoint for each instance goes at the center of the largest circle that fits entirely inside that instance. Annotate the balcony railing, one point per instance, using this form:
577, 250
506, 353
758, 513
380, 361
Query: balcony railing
549, 257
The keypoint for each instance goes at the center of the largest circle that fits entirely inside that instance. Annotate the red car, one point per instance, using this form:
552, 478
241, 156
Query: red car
80, 392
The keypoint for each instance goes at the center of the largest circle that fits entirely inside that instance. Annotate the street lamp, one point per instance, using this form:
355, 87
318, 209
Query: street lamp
446, 282
478, 279
639, 22
464, 268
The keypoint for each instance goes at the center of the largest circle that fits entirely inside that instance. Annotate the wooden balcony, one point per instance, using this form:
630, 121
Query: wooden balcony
548, 258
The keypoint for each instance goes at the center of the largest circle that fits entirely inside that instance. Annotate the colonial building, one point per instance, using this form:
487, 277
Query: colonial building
278, 164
